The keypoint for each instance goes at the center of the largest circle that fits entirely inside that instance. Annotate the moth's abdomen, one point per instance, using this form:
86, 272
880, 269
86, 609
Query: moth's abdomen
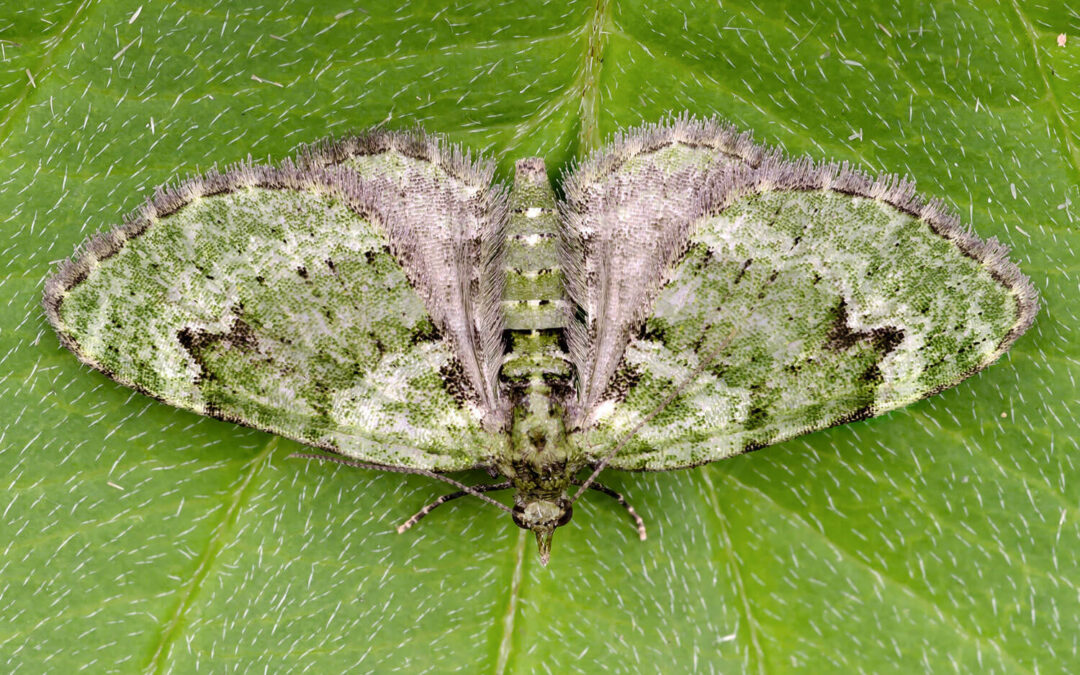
534, 295
534, 302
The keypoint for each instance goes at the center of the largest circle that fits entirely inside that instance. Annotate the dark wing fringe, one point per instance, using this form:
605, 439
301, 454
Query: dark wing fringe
684, 128
317, 166
779, 173
741, 168
415, 143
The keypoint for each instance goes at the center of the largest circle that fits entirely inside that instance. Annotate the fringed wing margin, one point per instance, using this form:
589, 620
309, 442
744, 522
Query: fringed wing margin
728, 298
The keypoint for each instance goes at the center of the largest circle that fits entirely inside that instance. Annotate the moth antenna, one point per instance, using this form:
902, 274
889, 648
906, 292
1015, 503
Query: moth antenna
638, 521
448, 497
401, 469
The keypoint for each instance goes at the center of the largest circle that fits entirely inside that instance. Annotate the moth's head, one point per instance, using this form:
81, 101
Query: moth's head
542, 516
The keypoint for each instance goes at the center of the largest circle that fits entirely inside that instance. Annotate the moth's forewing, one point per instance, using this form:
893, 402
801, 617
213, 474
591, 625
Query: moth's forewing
783, 297
327, 302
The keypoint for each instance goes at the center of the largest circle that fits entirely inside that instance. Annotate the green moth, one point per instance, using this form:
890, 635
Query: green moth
693, 296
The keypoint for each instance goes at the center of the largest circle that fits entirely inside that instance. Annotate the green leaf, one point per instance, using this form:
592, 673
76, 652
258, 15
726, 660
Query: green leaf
136, 537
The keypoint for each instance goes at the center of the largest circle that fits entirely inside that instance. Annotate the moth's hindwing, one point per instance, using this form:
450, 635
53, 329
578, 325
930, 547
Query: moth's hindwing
292, 300
803, 296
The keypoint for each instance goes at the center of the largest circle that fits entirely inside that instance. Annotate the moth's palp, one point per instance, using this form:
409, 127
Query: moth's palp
447, 497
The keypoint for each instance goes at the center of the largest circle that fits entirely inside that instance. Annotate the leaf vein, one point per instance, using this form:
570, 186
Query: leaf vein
948, 618
506, 642
1059, 117
235, 500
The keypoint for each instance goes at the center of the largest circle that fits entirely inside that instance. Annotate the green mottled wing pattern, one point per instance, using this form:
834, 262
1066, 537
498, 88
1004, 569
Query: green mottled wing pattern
786, 297
718, 298
343, 300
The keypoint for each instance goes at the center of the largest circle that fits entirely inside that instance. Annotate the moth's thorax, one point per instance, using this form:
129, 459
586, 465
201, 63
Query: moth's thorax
541, 460
534, 300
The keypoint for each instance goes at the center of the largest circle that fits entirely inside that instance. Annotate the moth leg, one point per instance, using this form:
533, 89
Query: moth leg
622, 500
447, 497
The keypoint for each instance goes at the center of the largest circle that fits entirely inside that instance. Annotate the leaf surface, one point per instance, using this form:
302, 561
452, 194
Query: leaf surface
137, 537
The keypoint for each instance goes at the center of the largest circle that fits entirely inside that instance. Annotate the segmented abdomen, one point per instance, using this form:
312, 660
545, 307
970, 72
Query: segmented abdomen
533, 299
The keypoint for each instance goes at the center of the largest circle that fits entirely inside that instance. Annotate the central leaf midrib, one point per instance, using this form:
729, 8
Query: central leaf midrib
588, 77
506, 640
587, 83
713, 500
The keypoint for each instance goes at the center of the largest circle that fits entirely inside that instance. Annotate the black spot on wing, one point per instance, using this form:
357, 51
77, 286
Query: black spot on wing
198, 342
742, 270
424, 331
80, 276
842, 336
371, 256
863, 413
456, 383
654, 330
626, 377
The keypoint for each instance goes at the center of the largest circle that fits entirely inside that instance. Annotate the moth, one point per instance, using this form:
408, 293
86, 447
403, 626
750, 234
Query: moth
691, 296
